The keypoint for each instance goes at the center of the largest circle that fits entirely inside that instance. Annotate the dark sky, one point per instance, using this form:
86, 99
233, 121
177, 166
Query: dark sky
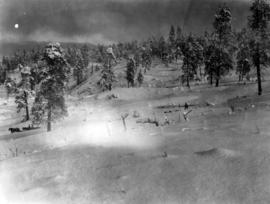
103, 21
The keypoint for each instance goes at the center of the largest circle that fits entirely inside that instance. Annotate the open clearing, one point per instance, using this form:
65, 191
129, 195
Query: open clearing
215, 157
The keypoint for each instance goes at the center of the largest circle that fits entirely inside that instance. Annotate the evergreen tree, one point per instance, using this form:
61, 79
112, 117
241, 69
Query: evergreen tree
258, 23
85, 55
243, 57
217, 61
130, 72
140, 77
35, 78
38, 110
153, 46
179, 36
179, 42
10, 86
3, 74
193, 57
210, 57
209, 61
222, 31
137, 59
79, 68
71, 56
107, 75
35, 55
172, 36
243, 63
162, 47
146, 59
51, 90
23, 92
6, 63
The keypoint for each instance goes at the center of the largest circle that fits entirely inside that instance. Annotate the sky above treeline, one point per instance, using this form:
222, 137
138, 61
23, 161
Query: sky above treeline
107, 21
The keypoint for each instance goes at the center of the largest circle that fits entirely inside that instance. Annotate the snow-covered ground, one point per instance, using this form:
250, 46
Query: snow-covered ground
215, 157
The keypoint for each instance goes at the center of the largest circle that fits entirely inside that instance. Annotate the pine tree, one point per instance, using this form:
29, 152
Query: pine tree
107, 75
130, 72
210, 61
51, 90
162, 47
71, 56
146, 59
222, 30
3, 74
6, 63
172, 36
179, 42
243, 57
35, 55
137, 59
79, 68
10, 86
217, 61
243, 63
258, 23
85, 55
179, 35
193, 58
23, 92
38, 110
140, 77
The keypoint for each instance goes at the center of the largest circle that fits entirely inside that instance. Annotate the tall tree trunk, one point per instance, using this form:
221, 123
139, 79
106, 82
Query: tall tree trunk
211, 78
258, 66
49, 120
259, 79
26, 106
217, 82
219, 57
188, 81
217, 77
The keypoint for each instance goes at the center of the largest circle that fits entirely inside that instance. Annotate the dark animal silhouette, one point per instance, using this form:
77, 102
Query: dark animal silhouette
12, 130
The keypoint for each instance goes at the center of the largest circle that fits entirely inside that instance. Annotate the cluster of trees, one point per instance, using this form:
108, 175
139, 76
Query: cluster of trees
218, 51
222, 49
78, 58
19, 58
45, 82
107, 75
134, 73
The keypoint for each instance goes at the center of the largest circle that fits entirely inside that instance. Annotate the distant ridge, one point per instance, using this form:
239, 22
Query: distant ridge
9, 48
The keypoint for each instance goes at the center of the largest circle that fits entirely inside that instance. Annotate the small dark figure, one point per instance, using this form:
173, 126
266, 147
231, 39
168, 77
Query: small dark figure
186, 106
12, 130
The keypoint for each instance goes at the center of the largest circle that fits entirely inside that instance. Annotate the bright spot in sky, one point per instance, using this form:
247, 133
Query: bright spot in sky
16, 26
